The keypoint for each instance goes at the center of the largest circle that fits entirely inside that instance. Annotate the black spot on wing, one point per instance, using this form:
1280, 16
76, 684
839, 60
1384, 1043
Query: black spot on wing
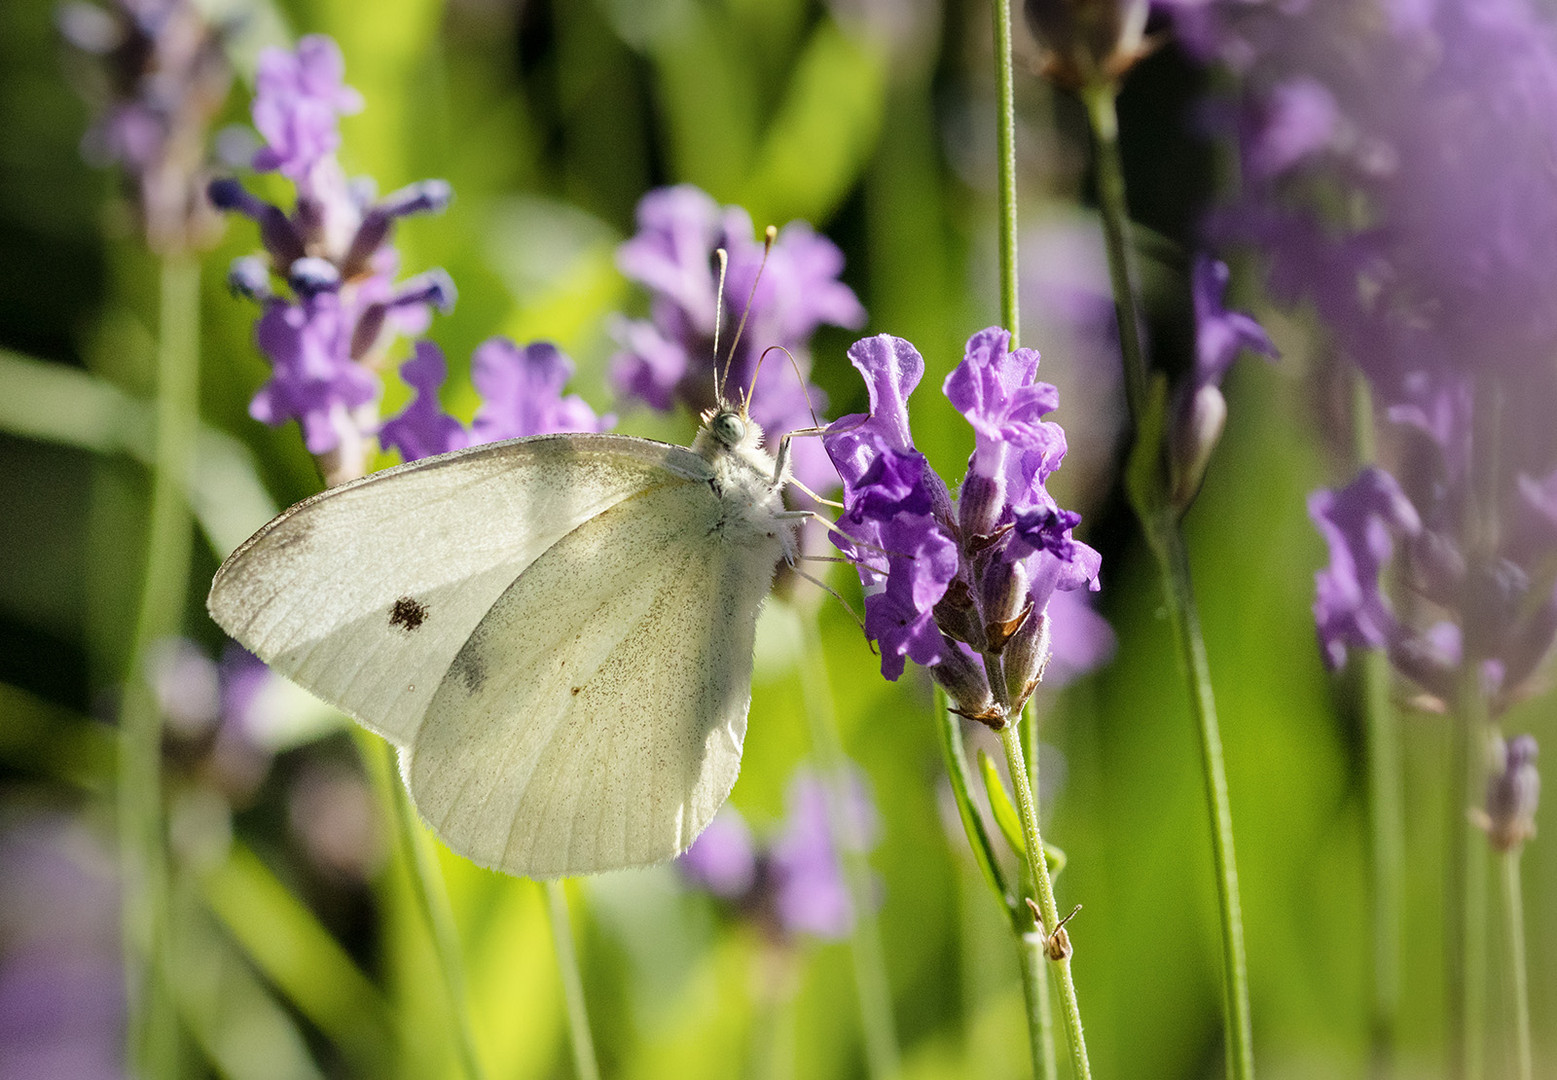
470, 668
408, 613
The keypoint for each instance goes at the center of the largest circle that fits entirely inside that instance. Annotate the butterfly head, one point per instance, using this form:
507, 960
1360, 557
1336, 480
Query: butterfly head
729, 426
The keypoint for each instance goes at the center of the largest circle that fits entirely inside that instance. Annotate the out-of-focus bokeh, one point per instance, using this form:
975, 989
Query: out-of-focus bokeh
297, 950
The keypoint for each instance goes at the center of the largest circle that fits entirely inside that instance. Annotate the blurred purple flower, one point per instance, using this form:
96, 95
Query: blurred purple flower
62, 1007
1200, 410
299, 99
723, 859
521, 390
669, 358
1431, 123
794, 883
953, 586
160, 79
326, 340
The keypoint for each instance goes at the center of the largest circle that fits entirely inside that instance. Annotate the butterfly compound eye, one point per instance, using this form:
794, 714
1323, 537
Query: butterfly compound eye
728, 428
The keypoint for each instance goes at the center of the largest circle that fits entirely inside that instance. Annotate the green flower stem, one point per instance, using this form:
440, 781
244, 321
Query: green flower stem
431, 902
883, 1059
1032, 955
1032, 943
1387, 839
1465, 912
584, 1064
1160, 523
1031, 948
1006, 133
152, 1022
1386, 821
1038, 868
1525, 1060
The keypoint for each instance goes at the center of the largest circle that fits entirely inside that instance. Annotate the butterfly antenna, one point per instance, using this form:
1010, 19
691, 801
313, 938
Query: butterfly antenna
770, 235
724, 266
815, 423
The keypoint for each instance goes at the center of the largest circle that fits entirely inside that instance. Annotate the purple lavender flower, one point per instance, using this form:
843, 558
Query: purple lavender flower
161, 79
961, 589
521, 390
326, 340
793, 884
669, 358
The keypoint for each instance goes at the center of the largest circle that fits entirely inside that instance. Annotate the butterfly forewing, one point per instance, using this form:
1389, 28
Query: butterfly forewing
365, 593
595, 717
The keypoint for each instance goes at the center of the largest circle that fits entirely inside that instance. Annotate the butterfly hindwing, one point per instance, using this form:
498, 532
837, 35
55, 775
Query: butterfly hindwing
595, 717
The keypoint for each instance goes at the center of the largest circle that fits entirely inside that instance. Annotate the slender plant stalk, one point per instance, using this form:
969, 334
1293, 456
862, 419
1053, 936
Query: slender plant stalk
1518, 965
432, 904
1465, 909
1011, 742
584, 1064
1385, 817
1032, 943
1006, 133
152, 1022
883, 1059
1160, 523
1030, 946
1387, 839
1466, 906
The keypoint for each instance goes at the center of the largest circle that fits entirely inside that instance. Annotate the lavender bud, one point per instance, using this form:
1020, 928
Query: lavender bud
249, 278
310, 276
1088, 40
426, 197
979, 504
277, 233
957, 616
1025, 657
965, 682
1513, 790
1006, 603
1197, 428
433, 287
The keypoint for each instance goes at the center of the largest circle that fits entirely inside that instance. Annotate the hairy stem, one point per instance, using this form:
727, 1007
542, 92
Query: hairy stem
1160, 523
1038, 868
583, 1045
152, 1024
1006, 133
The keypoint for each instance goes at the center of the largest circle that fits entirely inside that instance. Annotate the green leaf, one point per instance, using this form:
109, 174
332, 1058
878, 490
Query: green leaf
57, 404
978, 838
302, 958
1001, 806
823, 133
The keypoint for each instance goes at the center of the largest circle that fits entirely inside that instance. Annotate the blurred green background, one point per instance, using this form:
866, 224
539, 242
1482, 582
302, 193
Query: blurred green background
874, 120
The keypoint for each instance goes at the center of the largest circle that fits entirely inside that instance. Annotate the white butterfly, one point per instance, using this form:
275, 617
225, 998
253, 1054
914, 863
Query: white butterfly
555, 630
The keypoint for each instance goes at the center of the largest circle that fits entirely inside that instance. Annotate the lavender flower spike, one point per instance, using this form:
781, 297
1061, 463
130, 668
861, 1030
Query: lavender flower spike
962, 589
326, 340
